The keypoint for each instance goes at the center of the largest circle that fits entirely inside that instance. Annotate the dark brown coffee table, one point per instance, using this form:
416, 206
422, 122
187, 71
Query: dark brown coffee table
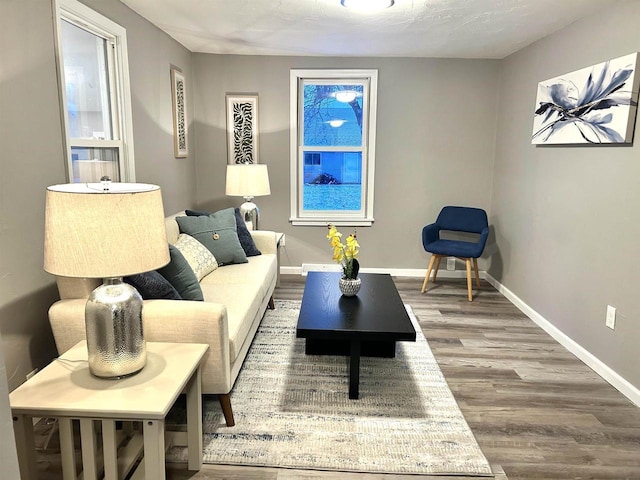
368, 324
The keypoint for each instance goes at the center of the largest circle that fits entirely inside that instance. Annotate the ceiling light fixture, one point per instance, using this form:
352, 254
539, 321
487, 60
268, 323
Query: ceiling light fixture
367, 5
345, 96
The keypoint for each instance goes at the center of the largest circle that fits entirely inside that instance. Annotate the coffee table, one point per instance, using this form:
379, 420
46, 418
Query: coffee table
368, 324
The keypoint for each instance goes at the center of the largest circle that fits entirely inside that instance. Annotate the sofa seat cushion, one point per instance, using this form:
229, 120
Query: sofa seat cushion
242, 288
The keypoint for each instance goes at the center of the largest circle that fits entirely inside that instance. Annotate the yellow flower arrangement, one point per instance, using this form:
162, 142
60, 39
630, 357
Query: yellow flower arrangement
345, 254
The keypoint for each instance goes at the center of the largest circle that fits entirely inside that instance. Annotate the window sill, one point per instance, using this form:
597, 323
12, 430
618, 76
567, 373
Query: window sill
310, 222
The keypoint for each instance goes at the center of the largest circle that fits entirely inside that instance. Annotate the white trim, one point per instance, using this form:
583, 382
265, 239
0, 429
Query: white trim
597, 365
395, 272
365, 216
84, 16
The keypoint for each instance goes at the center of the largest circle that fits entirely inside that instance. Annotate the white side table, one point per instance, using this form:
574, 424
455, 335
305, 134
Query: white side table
66, 390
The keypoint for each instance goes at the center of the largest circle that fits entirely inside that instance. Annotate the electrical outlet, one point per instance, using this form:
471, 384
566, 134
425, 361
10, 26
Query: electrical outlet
611, 317
451, 263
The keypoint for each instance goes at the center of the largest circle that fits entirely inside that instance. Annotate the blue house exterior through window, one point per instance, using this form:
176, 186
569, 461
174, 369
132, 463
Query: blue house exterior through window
332, 118
333, 138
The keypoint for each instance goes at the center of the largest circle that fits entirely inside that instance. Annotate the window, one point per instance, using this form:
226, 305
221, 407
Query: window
333, 123
94, 80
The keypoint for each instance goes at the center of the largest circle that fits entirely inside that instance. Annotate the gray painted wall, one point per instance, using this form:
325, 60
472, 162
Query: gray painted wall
435, 146
31, 157
566, 217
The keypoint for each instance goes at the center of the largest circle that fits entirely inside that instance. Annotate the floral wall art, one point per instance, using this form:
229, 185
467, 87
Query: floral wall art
594, 105
242, 128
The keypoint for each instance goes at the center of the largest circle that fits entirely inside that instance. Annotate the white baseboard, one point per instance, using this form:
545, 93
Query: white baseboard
597, 365
394, 272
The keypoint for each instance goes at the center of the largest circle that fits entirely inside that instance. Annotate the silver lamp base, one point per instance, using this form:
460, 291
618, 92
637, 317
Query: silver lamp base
250, 212
115, 342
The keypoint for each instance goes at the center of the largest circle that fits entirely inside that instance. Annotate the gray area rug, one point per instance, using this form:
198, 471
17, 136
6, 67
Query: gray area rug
293, 410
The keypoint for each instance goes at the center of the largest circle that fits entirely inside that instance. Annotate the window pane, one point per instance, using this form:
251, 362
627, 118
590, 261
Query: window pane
91, 164
332, 181
332, 115
86, 83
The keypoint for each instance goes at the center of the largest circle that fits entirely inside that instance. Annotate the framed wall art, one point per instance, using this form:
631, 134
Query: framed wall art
594, 105
242, 128
179, 103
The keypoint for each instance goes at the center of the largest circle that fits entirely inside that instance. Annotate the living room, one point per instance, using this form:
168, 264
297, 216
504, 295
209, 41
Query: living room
450, 131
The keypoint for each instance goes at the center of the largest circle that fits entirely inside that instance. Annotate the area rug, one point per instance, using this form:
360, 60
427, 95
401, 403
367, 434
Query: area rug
292, 410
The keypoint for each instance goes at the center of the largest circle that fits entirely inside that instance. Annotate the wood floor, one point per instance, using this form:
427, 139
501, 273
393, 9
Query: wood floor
535, 409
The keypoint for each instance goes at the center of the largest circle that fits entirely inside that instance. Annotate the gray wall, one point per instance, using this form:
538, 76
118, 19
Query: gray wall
566, 217
435, 146
31, 157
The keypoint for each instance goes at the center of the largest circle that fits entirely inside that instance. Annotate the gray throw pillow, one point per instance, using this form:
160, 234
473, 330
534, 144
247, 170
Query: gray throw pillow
244, 235
179, 274
217, 232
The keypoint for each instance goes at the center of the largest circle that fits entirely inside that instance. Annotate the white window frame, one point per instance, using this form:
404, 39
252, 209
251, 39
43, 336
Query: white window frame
365, 216
122, 125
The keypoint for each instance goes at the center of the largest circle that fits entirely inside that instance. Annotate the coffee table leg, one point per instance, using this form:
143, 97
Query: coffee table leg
354, 370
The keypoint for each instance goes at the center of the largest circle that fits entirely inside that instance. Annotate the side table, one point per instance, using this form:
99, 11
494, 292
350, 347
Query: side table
66, 390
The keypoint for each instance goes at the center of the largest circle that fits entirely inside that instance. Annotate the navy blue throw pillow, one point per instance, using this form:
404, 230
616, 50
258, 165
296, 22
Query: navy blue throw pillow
152, 285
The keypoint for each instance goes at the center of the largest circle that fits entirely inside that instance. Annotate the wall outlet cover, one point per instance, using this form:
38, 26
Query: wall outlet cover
611, 317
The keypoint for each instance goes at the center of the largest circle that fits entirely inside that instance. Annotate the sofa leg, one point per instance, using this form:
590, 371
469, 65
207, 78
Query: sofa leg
225, 403
272, 305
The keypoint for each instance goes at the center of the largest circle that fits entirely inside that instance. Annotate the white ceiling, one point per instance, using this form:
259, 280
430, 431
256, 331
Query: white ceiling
411, 28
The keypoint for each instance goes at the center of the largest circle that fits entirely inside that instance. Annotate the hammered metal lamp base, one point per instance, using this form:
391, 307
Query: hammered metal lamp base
115, 341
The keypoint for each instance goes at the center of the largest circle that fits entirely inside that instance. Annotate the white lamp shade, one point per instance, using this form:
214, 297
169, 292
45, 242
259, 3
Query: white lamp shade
250, 180
93, 233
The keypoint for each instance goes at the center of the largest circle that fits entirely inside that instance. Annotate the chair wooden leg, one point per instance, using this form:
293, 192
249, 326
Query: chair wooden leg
272, 305
225, 403
426, 277
435, 271
469, 284
475, 266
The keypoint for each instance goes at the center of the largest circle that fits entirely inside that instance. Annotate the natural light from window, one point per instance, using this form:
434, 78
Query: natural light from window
333, 113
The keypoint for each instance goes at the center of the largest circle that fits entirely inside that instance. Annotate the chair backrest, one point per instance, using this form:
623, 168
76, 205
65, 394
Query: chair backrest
462, 219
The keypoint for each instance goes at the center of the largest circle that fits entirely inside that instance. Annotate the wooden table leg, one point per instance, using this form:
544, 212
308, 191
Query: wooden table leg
25, 446
194, 420
153, 431
67, 450
354, 370
110, 449
89, 449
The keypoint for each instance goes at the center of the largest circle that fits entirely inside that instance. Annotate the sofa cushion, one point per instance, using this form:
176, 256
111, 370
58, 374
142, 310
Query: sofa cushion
152, 285
199, 258
241, 288
179, 274
217, 232
244, 235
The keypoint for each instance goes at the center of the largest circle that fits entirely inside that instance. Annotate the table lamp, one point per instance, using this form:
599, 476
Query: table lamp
248, 181
107, 230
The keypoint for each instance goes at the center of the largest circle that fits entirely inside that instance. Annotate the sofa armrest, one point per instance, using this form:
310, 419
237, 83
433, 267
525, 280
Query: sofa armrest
181, 321
265, 240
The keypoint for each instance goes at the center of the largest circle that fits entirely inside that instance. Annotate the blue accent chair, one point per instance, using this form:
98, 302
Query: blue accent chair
457, 219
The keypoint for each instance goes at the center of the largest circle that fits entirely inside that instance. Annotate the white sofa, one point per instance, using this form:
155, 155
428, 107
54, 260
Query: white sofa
236, 297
